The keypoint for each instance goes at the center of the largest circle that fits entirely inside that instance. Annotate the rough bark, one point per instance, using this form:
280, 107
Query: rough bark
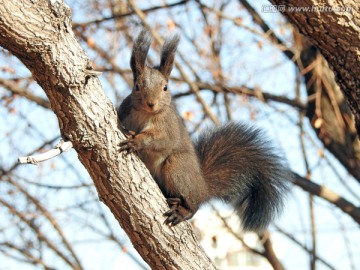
335, 33
40, 35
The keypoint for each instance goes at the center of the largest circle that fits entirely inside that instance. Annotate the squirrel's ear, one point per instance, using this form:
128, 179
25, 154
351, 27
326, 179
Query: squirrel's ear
139, 52
168, 54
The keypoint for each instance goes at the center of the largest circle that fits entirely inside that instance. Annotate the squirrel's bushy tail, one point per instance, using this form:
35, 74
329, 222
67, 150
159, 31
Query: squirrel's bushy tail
237, 160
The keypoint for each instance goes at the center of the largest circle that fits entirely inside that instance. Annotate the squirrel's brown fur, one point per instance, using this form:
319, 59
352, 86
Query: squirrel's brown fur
233, 162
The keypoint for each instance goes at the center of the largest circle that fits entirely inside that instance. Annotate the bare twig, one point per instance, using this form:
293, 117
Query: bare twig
39, 234
123, 15
62, 146
311, 199
269, 251
298, 243
329, 195
45, 213
16, 89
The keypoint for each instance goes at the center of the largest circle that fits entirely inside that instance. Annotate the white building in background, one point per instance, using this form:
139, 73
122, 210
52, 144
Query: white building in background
225, 250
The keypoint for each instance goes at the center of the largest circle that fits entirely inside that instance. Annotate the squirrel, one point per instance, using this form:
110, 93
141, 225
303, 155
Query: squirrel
232, 162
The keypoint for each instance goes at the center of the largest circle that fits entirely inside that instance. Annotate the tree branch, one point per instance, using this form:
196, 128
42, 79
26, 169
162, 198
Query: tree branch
328, 195
126, 14
43, 40
16, 89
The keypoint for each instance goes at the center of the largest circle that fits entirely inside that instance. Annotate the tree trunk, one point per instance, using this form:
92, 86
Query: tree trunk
334, 29
328, 112
39, 33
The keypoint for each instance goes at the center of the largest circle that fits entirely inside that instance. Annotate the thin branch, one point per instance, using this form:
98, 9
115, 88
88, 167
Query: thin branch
297, 242
130, 13
329, 195
62, 146
311, 199
218, 88
272, 36
49, 217
269, 251
235, 234
24, 252
347, 241
15, 165
57, 187
39, 234
16, 89
105, 55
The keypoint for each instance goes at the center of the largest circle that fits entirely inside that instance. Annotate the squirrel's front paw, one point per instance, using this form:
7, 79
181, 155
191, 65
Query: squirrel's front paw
129, 144
177, 212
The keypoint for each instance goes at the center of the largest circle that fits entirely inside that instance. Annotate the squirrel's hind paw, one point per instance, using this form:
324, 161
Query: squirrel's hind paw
177, 212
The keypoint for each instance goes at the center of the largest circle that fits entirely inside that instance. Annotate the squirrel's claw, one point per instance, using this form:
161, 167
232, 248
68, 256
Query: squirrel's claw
130, 134
127, 145
173, 217
177, 212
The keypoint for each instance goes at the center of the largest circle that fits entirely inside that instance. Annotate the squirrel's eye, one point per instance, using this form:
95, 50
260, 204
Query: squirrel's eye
165, 88
137, 88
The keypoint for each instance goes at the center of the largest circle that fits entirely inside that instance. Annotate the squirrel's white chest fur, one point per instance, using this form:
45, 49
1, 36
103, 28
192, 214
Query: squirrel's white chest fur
138, 121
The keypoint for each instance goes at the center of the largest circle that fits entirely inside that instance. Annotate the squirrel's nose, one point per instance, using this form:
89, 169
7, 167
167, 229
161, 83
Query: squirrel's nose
151, 104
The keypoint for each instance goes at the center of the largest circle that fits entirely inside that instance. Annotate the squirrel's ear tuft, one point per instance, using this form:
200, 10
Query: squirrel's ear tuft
139, 52
168, 54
